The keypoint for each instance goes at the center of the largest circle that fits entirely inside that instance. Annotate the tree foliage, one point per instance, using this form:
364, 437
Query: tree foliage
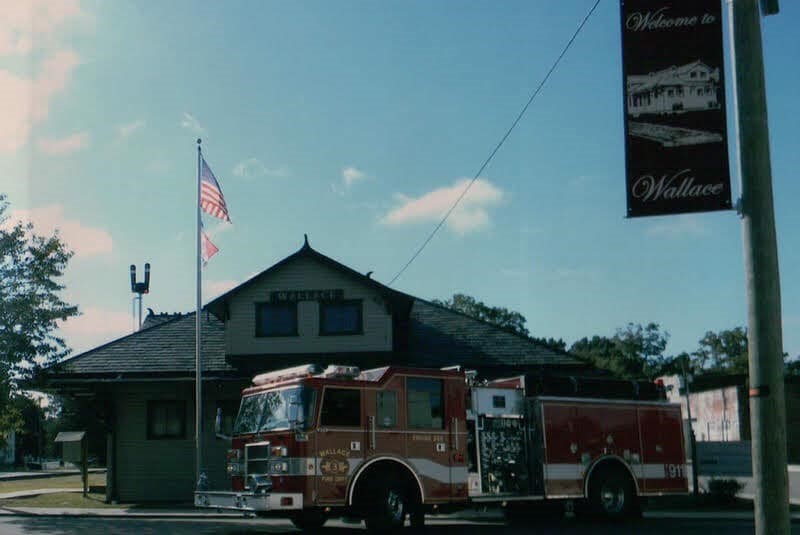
502, 317
723, 352
635, 352
30, 306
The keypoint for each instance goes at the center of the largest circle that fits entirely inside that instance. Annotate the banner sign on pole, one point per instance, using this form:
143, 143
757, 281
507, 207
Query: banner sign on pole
676, 149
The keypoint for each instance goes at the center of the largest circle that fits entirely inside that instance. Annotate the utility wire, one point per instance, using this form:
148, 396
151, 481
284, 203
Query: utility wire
500, 144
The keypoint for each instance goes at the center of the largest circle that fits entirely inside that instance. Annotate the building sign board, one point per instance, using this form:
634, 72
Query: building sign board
293, 296
676, 151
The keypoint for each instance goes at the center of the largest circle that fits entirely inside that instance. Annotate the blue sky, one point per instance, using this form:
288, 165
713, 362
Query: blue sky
357, 123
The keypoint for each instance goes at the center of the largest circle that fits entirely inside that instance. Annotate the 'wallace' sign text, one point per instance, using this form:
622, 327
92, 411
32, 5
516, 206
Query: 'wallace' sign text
676, 152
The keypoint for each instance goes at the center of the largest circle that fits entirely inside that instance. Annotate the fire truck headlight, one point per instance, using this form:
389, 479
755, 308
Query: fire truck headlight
234, 469
281, 467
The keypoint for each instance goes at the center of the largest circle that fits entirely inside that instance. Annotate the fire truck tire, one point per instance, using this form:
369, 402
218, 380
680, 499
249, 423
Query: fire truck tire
387, 506
309, 520
612, 494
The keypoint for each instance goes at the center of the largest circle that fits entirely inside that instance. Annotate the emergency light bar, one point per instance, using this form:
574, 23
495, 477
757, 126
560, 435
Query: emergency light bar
338, 371
305, 370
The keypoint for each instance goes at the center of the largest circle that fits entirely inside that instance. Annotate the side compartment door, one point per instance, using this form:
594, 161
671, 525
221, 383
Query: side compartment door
663, 457
339, 442
561, 455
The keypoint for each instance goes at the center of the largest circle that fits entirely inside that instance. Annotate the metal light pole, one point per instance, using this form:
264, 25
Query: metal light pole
692, 438
765, 348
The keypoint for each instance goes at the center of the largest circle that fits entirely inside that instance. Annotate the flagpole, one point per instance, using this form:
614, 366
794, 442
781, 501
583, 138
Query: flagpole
197, 361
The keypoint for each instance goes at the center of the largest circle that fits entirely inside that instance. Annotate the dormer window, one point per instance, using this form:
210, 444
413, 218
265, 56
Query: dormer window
276, 319
340, 317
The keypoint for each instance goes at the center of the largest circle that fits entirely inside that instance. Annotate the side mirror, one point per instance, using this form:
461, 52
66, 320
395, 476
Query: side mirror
218, 425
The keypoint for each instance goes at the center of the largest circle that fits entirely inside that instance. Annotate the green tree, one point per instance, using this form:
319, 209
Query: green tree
722, 352
502, 317
30, 307
634, 352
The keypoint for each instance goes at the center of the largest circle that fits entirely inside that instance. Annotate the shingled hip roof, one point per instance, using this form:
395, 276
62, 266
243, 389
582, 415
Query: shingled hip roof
439, 337
165, 348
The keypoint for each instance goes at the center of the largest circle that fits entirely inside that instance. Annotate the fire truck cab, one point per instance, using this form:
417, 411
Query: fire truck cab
392, 442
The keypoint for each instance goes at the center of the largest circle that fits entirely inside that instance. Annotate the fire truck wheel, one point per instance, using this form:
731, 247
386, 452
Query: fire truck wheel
309, 520
387, 508
611, 494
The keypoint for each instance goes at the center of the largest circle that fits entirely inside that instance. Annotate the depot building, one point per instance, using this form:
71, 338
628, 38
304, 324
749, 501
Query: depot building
307, 308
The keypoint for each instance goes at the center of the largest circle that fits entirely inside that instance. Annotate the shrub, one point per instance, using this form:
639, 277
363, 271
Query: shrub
724, 491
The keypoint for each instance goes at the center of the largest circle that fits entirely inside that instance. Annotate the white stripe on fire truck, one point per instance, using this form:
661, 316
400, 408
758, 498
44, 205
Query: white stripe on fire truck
424, 467
570, 471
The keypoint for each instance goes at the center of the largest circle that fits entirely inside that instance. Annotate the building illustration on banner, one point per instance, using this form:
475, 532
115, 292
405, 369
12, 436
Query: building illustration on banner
692, 87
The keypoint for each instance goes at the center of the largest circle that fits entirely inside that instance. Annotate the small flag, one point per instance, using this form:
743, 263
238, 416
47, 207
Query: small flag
211, 200
207, 249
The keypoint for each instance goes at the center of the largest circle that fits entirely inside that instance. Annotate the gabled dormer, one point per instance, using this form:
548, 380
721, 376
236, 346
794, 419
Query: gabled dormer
310, 304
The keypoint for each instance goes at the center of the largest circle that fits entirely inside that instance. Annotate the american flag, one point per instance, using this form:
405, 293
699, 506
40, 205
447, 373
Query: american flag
207, 249
211, 200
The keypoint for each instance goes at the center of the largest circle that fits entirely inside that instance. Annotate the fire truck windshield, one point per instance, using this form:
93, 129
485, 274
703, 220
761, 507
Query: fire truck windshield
276, 409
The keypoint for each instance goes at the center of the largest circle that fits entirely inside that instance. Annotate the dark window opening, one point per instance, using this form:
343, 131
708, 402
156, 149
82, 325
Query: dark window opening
386, 409
340, 317
276, 319
499, 402
424, 403
166, 420
341, 407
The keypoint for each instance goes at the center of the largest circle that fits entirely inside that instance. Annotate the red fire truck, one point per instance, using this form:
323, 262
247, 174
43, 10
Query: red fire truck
390, 443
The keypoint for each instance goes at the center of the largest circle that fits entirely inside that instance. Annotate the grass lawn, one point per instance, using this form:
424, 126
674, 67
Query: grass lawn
55, 482
62, 499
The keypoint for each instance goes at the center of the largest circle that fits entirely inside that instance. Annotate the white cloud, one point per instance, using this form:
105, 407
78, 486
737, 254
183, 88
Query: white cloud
351, 175
85, 241
63, 146
25, 22
28, 26
471, 214
679, 226
125, 130
253, 168
193, 125
95, 326
25, 102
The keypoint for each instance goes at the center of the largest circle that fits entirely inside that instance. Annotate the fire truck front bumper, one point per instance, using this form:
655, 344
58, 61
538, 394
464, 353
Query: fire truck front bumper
248, 502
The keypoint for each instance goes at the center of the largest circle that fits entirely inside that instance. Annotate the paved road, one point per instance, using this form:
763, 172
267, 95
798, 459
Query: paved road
131, 526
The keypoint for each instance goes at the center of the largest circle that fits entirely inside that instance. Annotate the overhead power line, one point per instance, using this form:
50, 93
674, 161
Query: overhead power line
500, 144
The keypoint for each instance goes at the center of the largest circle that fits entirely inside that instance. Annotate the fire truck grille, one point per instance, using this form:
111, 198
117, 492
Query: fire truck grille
256, 457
